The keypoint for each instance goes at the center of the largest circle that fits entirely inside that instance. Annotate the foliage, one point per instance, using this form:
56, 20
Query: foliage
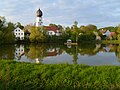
36, 35
9, 35
110, 28
18, 24
6, 31
7, 52
26, 76
118, 32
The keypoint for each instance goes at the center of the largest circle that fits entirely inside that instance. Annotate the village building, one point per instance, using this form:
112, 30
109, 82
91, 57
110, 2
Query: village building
108, 34
52, 30
19, 34
53, 52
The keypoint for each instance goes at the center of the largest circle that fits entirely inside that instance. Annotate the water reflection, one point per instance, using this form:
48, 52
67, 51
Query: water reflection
85, 53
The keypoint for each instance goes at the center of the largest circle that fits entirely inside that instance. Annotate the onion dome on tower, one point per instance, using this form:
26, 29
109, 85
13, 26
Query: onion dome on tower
39, 13
39, 18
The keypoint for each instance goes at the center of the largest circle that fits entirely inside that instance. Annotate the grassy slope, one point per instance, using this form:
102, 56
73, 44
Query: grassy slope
26, 76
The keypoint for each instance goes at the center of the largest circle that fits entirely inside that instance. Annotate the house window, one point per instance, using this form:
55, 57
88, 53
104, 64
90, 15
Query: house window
16, 33
16, 30
19, 33
50, 33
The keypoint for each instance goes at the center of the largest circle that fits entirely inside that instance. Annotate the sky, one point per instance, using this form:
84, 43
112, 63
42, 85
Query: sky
101, 13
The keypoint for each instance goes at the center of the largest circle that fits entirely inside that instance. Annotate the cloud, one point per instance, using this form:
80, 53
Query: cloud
65, 12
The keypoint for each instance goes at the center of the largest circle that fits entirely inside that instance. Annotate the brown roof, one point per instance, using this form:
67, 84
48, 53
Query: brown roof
52, 53
51, 28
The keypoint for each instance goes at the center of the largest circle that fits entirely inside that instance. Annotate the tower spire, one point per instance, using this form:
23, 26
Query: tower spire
39, 15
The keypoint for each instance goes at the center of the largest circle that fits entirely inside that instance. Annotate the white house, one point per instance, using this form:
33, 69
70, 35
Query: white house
19, 33
52, 30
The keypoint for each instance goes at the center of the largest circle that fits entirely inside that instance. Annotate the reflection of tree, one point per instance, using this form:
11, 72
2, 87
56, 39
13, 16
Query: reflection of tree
7, 52
36, 51
73, 51
88, 49
118, 52
75, 55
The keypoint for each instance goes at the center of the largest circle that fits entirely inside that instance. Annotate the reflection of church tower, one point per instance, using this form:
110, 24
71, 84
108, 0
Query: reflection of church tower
39, 18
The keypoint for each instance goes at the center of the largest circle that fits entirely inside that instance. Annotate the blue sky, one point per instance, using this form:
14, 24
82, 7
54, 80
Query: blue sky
98, 12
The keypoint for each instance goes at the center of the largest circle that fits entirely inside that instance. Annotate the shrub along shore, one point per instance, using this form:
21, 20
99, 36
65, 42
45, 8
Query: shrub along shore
29, 76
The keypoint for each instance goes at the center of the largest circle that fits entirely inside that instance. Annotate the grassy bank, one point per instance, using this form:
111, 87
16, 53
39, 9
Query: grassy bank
26, 76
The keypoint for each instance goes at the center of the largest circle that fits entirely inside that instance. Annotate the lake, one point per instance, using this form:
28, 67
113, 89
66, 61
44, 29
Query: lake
84, 53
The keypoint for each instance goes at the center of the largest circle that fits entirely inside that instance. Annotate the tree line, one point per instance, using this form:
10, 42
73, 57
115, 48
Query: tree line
38, 34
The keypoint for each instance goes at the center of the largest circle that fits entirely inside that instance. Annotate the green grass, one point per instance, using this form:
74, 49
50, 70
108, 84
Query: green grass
29, 76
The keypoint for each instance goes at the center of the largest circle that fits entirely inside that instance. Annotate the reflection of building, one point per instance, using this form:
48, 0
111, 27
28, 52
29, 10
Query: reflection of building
53, 52
19, 51
109, 48
37, 60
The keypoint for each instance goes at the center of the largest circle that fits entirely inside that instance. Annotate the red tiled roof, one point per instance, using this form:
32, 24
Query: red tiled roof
51, 28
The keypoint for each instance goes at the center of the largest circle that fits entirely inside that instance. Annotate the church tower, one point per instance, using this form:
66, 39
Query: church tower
39, 18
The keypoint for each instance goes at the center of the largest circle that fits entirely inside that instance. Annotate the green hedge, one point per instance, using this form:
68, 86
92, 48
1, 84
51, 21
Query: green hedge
29, 76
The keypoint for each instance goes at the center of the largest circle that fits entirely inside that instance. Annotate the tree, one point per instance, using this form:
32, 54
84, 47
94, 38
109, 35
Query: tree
84, 29
9, 35
91, 27
118, 32
88, 28
36, 35
75, 23
2, 28
19, 25
52, 25
75, 31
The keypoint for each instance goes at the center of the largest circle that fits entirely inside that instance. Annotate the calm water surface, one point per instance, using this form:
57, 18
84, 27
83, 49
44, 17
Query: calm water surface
89, 54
